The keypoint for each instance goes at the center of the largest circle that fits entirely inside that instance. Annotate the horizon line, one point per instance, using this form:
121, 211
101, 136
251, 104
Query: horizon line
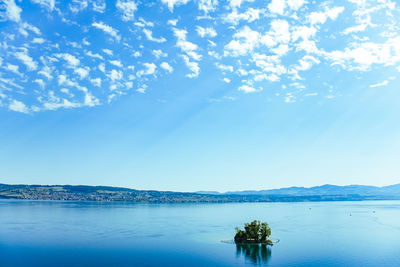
197, 191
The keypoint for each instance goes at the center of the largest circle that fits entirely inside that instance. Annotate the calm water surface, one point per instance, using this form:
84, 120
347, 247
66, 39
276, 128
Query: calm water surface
52, 233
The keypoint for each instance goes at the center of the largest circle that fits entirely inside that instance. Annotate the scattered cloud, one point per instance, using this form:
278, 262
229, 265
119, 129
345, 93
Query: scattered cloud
167, 67
13, 68
207, 6
150, 69
158, 53
321, 17
193, 66
18, 106
107, 29
247, 89
116, 63
249, 45
48, 4
172, 3
71, 60
82, 72
149, 36
127, 8
12, 11
206, 32
383, 83
249, 15
26, 60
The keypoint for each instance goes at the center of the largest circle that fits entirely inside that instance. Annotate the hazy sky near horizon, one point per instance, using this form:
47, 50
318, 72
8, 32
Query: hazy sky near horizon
191, 95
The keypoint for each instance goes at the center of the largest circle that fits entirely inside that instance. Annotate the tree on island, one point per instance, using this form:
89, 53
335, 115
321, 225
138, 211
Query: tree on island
254, 232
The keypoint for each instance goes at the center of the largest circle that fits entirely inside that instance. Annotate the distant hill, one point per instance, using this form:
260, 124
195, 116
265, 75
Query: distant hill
108, 193
364, 190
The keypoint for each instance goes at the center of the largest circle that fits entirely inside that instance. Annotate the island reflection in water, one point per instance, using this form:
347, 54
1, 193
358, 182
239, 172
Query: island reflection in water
256, 253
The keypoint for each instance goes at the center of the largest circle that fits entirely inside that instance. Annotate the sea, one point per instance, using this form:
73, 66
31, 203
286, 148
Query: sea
66, 233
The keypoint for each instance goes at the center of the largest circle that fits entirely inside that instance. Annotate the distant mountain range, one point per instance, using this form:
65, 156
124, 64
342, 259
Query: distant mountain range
108, 193
364, 190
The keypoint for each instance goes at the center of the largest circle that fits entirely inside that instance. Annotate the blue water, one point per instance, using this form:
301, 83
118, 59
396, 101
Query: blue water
53, 233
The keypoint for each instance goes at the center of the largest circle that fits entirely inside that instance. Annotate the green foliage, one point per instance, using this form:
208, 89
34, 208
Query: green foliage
254, 232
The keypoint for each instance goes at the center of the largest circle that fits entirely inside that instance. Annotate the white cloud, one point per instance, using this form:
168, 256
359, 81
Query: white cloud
385, 82
40, 82
158, 53
207, 5
149, 36
99, 6
78, 5
57, 103
172, 22
102, 67
82, 72
249, 15
194, 55
362, 55
107, 29
288, 44
247, 88
46, 71
96, 82
204, 32
244, 42
48, 4
18, 106
290, 98
303, 32
247, 40
142, 89
90, 100
353, 29
72, 61
26, 26
193, 66
167, 67
115, 75
237, 3
38, 40
146, 23
295, 4
127, 8
321, 17
63, 80
27, 60
66, 91
108, 51
277, 6
13, 68
116, 63
8, 82
150, 69
224, 67
278, 34
242, 72
188, 47
172, 3
91, 54
12, 11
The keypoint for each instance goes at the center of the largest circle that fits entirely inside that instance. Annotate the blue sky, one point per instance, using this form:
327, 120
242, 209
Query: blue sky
199, 95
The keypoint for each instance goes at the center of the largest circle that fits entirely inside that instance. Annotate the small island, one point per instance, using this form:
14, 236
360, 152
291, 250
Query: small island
254, 233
